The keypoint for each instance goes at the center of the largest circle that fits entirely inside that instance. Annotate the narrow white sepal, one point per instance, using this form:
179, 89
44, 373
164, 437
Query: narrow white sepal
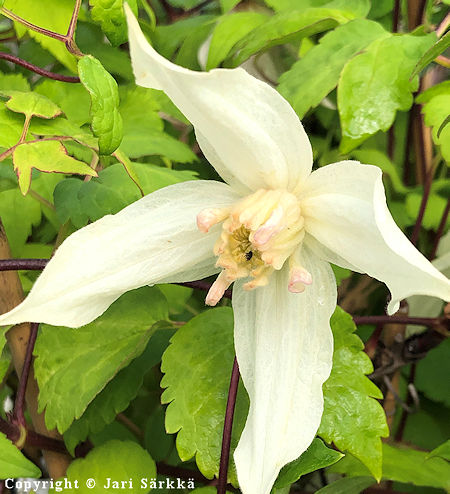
284, 348
154, 240
246, 129
344, 207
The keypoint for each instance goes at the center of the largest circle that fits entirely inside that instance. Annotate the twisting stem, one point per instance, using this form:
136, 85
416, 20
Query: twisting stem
440, 230
38, 70
73, 20
227, 429
23, 264
19, 405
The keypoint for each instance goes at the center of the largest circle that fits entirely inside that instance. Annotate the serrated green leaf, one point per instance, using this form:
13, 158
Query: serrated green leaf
369, 95
348, 485
352, 419
116, 460
46, 156
228, 31
110, 15
31, 104
116, 395
106, 119
402, 465
112, 191
18, 214
71, 98
315, 457
285, 27
197, 369
12, 462
442, 451
439, 47
58, 21
436, 109
429, 374
316, 74
96, 352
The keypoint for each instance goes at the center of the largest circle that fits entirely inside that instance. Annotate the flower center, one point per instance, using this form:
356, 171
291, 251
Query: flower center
259, 233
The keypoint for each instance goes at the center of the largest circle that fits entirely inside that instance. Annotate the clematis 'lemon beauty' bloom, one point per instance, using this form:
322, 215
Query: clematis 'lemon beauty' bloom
272, 228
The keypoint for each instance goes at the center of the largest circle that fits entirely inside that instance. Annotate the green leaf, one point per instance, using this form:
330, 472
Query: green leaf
429, 374
348, 485
97, 351
156, 143
315, 75
58, 21
110, 15
375, 84
433, 213
46, 156
227, 5
285, 27
11, 126
167, 39
19, 214
106, 119
359, 8
439, 47
115, 397
228, 31
197, 369
31, 104
378, 158
315, 457
403, 465
4, 361
116, 460
442, 451
12, 462
109, 193
185, 4
143, 129
436, 109
352, 419
71, 98
15, 82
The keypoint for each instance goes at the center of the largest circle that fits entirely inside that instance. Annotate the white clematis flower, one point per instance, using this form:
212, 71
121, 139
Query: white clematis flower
273, 227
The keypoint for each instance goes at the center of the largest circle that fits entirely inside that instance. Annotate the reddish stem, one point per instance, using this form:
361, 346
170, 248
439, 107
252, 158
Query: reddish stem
19, 405
38, 70
227, 429
440, 231
423, 205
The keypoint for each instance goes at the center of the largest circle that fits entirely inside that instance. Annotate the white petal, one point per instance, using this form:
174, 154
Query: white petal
284, 348
154, 240
345, 209
247, 130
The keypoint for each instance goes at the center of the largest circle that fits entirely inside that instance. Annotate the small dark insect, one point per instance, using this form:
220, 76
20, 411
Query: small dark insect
249, 255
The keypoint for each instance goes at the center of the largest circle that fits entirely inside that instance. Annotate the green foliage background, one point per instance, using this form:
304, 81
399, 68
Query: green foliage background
359, 81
